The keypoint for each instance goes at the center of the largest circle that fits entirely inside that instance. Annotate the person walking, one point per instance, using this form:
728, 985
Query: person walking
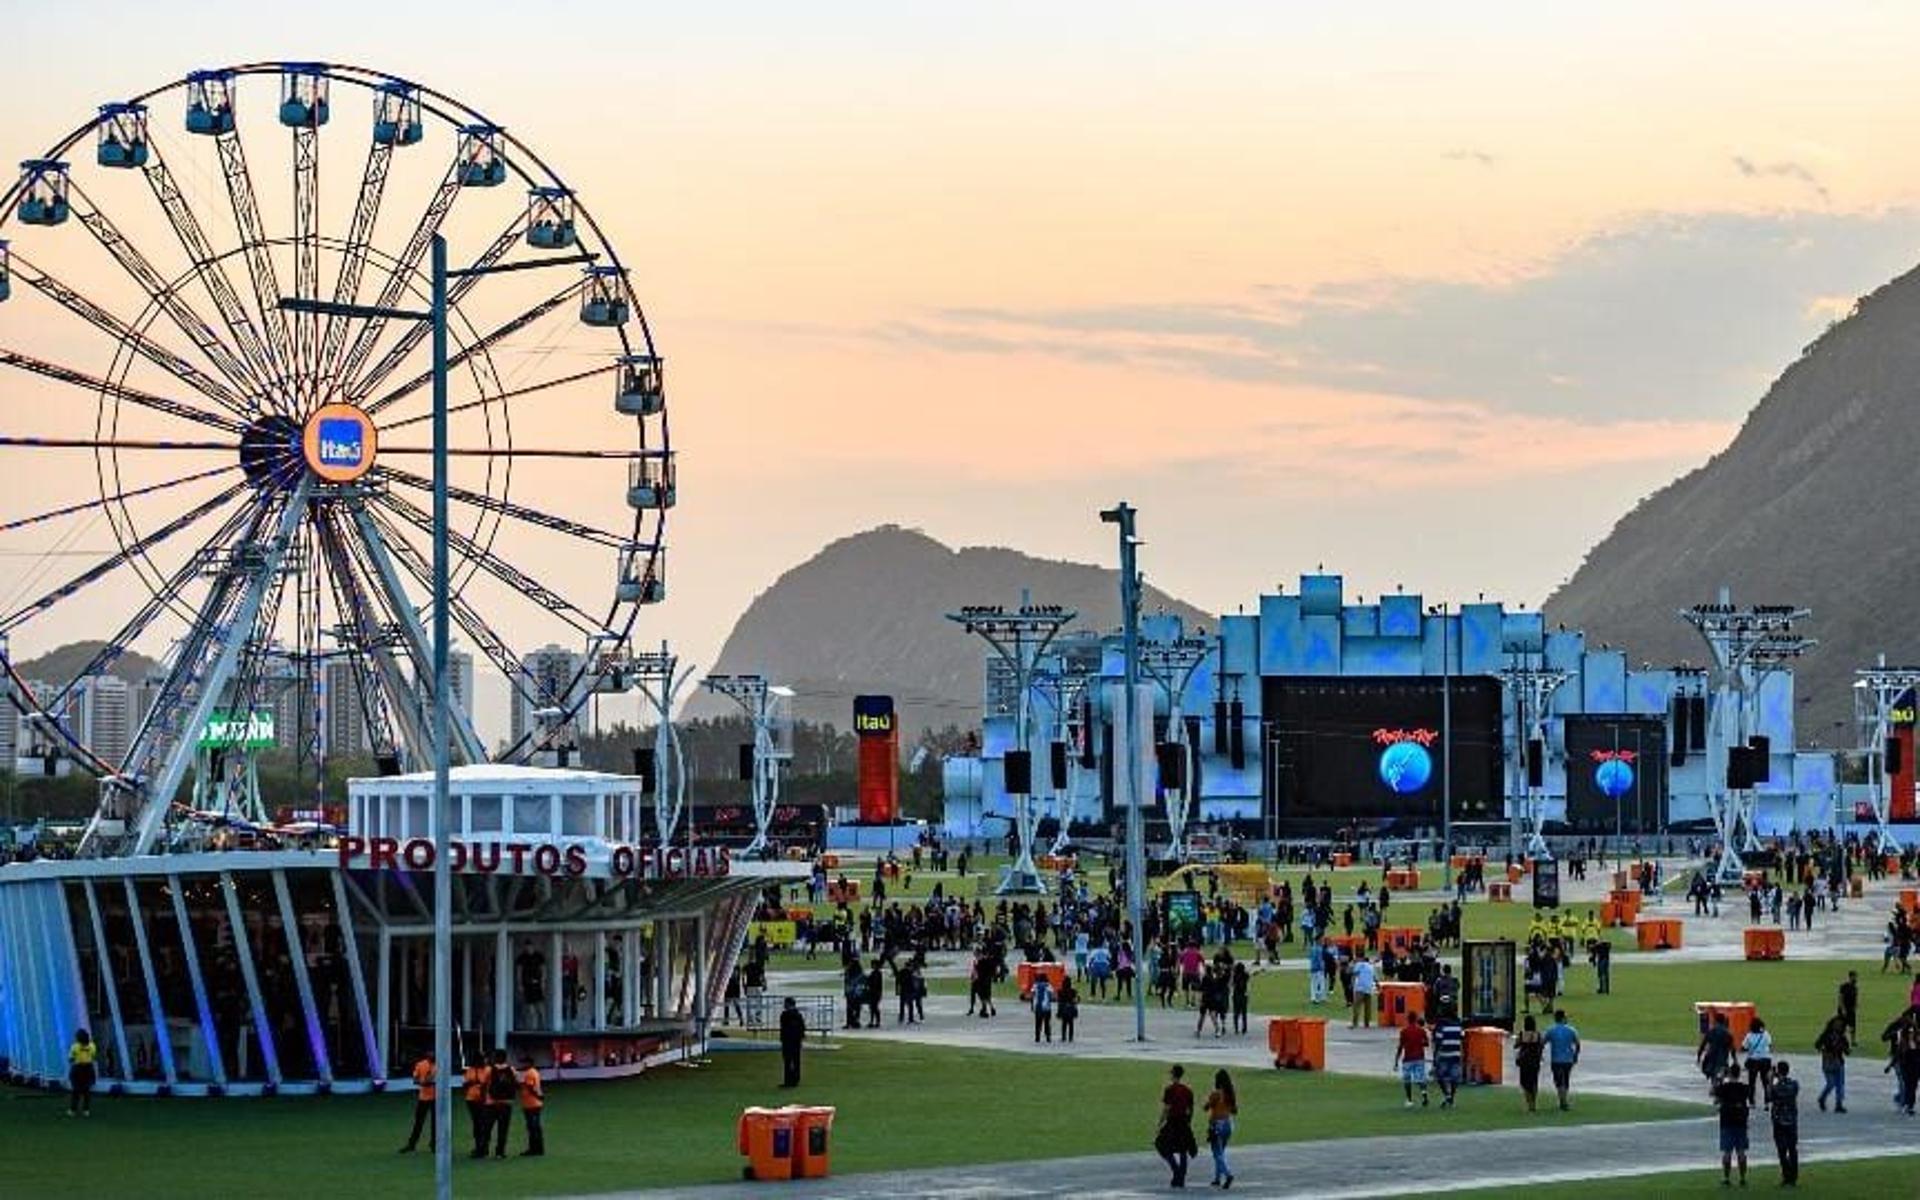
1449, 1056
1365, 984
1730, 1095
1783, 1102
1834, 1046
474, 1090
1715, 1053
82, 1074
1529, 1049
1222, 1107
1410, 1058
424, 1091
1242, 984
1173, 1141
533, 1104
1042, 1000
793, 1035
1758, 1048
1069, 1009
1563, 1053
1850, 1003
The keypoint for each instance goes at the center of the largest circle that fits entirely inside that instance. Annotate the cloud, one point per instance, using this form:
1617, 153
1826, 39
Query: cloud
1798, 172
1477, 157
1665, 317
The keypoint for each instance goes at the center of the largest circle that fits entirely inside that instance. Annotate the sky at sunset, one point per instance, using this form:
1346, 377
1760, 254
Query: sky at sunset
1428, 294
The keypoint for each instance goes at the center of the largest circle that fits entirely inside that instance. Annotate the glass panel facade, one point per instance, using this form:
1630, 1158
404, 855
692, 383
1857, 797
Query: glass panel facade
532, 814
484, 815
576, 816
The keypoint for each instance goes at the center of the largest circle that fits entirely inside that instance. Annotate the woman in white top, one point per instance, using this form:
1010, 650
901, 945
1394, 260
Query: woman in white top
1758, 1048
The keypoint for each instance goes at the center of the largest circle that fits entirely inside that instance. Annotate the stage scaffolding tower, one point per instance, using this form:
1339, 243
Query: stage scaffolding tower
761, 701
1171, 665
1531, 684
1878, 690
1019, 638
1747, 645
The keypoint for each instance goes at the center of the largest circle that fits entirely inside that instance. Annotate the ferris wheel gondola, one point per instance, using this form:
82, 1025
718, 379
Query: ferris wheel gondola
199, 473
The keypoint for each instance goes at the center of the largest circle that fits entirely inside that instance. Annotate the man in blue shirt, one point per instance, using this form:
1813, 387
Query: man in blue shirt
1563, 1050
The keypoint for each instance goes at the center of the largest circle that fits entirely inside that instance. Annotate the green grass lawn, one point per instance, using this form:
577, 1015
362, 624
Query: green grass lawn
1892, 1176
899, 1106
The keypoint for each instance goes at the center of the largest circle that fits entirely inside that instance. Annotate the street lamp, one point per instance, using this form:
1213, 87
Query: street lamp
1122, 515
436, 317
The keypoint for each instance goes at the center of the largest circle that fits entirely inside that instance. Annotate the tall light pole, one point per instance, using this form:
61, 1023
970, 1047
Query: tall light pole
1122, 515
1446, 730
436, 318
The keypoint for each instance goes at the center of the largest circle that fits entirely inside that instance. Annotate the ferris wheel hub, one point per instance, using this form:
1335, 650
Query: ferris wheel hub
339, 442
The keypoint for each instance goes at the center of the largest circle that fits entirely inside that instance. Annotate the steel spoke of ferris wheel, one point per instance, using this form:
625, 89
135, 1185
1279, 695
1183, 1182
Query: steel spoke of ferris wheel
135, 264
402, 271
252, 580
115, 498
378, 552
501, 398
378, 706
525, 452
259, 256
98, 317
353, 261
507, 508
491, 644
306, 252
490, 560
157, 602
49, 443
505, 330
106, 567
208, 265
456, 291
119, 391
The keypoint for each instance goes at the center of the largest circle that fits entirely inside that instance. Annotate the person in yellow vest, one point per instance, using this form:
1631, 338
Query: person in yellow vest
424, 1090
474, 1078
533, 1102
81, 1074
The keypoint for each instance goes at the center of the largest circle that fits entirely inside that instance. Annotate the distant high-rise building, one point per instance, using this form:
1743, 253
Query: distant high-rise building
346, 719
109, 717
460, 681
547, 681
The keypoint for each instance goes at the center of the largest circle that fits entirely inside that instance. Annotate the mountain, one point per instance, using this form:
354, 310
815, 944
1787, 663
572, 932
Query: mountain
62, 664
1812, 504
865, 614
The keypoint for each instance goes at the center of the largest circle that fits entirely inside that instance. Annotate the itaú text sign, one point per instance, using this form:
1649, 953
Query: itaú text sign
559, 859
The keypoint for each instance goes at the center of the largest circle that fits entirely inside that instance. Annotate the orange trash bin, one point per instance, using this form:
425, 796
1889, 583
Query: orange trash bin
1486, 1054
1910, 899
1342, 860
766, 1138
1311, 1054
1764, 942
1500, 892
812, 1140
1400, 1001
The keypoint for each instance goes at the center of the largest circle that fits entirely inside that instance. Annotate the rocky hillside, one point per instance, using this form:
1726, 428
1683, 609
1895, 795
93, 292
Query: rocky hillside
865, 615
62, 664
1814, 503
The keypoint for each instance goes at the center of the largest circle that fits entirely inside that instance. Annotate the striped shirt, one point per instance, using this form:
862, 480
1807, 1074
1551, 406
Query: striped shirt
1449, 1040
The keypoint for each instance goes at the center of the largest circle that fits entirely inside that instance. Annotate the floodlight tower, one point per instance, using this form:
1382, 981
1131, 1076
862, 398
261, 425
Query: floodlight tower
1747, 644
1171, 665
1019, 638
658, 676
1878, 690
761, 702
1532, 685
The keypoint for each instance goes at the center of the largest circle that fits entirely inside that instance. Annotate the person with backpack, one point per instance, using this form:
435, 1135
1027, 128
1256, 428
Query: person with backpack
1042, 999
503, 1087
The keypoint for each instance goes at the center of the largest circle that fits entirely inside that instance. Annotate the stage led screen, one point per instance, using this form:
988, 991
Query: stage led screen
1616, 774
1369, 752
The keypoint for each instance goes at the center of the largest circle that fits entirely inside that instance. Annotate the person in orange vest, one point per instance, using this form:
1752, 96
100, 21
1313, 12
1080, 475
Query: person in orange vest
533, 1101
475, 1080
425, 1089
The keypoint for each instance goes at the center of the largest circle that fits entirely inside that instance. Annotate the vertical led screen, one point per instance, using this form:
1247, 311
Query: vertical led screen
1616, 774
1368, 753
877, 730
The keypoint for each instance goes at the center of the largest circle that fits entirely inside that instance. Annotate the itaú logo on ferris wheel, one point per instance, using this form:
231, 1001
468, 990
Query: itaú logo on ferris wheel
338, 443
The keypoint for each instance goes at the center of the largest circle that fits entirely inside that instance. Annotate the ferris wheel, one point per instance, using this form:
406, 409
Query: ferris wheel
241, 490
